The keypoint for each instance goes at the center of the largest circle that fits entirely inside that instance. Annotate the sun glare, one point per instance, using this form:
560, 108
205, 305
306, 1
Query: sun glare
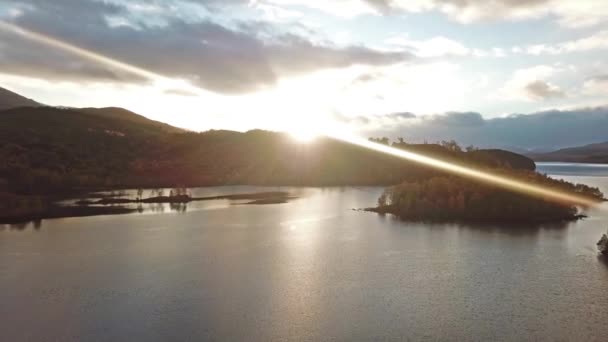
306, 131
303, 135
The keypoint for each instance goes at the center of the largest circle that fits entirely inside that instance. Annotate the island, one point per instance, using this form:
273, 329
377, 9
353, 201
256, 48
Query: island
30, 208
602, 245
269, 197
456, 199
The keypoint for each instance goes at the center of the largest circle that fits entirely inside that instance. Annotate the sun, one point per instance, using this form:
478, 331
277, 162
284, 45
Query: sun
303, 135
304, 132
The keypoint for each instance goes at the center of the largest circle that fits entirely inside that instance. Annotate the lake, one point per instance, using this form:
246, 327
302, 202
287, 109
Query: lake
309, 270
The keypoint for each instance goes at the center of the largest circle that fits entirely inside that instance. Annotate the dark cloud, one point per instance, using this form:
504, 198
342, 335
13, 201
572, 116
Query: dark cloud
400, 116
542, 90
236, 59
391, 119
538, 131
367, 77
382, 6
599, 78
457, 119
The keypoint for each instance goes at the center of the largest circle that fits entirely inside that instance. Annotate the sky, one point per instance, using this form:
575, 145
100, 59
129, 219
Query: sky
403, 67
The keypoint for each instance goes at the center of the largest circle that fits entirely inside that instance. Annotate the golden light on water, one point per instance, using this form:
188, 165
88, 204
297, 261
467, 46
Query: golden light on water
309, 132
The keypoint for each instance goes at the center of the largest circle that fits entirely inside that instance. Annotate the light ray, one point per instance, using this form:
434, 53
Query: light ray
52, 42
507, 183
478, 175
99, 58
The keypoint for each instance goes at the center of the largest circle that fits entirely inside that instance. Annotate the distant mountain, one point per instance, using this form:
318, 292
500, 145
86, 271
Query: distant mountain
593, 153
531, 133
9, 100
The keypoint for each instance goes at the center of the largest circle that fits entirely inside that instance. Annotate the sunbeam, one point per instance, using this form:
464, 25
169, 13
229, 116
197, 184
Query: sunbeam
40, 38
482, 176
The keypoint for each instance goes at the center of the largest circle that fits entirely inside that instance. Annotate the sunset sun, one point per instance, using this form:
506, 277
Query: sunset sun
304, 135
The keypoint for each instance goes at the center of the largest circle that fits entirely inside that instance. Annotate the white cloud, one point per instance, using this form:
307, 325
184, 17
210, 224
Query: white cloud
434, 47
421, 88
596, 86
278, 14
597, 41
341, 8
569, 13
580, 13
441, 46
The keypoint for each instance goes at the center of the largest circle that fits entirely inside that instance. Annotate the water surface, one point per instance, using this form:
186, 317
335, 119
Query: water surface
311, 269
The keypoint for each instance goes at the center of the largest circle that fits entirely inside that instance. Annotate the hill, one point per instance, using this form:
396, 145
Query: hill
593, 153
123, 114
51, 150
8, 100
450, 198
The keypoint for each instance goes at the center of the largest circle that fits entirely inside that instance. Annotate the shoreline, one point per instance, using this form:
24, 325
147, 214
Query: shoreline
112, 205
502, 220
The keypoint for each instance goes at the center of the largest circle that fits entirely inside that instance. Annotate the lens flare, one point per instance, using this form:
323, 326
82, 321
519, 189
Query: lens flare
482, 176
40, 38
478, 175
52, 42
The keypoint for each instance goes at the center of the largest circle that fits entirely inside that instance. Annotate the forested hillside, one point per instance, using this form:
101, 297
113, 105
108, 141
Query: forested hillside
50, 150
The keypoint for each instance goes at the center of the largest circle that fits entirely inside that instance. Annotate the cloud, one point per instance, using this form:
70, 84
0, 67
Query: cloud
531, 84
434, 47
401, 116
227, 58
382, 6
541, 90
378, 119
456, 119
340, 8
596, 41
569, 13
597, 85
541, 130
180, 92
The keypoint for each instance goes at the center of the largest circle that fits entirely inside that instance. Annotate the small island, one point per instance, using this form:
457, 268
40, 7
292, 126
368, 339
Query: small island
181, 196
19, 209
602, 245
450, 198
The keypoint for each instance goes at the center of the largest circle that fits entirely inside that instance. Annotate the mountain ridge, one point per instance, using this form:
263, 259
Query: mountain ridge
10, 99
596, 153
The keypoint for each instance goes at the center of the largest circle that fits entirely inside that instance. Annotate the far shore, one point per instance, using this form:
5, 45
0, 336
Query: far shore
513, 220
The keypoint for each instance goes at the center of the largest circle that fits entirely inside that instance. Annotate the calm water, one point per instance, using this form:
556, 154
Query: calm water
311, 269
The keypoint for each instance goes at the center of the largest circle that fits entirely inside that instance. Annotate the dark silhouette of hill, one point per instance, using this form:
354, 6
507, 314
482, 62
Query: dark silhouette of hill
450, 198
123, 114
8, 100
50, 150
593, 153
